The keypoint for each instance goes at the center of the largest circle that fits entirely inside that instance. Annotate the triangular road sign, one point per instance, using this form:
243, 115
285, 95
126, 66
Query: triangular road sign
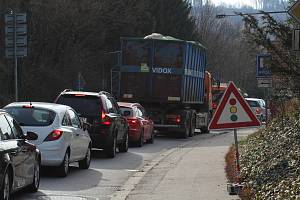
233, 111
294, 11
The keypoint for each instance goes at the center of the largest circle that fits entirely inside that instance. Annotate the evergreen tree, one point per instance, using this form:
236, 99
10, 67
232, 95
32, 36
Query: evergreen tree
173, 17
71, 37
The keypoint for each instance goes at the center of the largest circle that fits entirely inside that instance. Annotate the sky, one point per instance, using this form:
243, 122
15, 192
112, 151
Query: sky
236, 3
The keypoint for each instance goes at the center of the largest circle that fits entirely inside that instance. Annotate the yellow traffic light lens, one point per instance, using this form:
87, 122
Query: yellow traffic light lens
233, 109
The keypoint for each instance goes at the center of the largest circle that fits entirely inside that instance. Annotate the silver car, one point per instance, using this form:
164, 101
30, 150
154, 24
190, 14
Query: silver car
62, 137
258, 107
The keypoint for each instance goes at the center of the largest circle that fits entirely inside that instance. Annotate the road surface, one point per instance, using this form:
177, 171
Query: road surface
156, 171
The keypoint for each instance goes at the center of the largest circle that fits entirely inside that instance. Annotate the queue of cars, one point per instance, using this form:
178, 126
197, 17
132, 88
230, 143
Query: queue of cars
35, 134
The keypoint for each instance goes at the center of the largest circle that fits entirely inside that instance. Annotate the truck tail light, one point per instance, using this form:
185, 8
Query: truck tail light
54, 135
174, 118
178, 119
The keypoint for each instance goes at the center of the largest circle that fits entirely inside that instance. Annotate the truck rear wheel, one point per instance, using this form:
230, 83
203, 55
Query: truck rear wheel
204, 130
185, 134
193, 126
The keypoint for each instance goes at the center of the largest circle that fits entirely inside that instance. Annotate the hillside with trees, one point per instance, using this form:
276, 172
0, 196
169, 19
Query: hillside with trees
72, 38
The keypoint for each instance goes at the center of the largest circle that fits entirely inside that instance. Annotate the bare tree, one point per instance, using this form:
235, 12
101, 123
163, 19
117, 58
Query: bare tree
229, 55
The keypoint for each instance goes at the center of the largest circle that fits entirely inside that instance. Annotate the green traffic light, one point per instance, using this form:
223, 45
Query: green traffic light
234, 118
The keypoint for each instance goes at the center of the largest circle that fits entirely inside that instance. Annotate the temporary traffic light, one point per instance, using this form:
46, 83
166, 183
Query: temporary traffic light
233, 111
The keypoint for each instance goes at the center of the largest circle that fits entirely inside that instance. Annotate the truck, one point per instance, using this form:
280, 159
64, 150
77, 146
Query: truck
168, 77
217, 93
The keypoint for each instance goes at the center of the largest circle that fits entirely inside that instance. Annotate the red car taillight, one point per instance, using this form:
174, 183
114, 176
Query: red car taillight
132, 121
105, 120
258, 111
54, 135
214, 105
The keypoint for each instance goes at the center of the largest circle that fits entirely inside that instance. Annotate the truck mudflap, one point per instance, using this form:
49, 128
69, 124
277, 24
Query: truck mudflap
202, 120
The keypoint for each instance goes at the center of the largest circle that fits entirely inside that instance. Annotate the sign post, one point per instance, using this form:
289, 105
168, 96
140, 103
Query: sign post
233, 112
264, 77
237, 155
15, 41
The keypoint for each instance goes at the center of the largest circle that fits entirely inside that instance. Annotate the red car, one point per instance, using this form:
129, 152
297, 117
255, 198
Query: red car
140, 126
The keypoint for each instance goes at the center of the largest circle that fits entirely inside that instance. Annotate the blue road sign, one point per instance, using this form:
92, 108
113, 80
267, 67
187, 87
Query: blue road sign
262, 69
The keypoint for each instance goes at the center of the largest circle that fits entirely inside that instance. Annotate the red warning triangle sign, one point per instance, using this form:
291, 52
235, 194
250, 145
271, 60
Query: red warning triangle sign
233, 111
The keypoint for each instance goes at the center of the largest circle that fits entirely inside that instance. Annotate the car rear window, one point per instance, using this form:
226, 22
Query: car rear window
128, 112
32, 116
84, 105
253, 103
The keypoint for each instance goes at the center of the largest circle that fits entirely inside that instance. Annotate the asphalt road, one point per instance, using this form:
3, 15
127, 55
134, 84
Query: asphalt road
106, 177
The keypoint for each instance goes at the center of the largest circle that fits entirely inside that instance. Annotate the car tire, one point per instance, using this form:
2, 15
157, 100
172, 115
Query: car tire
63, 169
123, 147
34, 187
6, 187
140, 142
151, 140
112, 149
85, 163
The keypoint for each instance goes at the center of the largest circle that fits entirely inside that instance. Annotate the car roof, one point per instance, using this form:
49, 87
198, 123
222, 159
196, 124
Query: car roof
84, 93
128, 104
50, 106
253, 99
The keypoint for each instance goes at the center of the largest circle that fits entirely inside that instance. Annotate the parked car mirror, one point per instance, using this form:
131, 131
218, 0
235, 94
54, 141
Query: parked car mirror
85, 126
31, 136
83, 119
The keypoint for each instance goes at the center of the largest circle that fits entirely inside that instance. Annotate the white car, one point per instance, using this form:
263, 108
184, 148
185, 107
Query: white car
258, 107
62, 137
